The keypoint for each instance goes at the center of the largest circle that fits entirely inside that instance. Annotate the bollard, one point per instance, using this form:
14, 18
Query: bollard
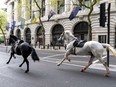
59, 46
48, 46
65, 46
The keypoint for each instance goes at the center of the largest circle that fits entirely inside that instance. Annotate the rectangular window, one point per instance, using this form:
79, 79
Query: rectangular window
30, 7
19, 8
43, 8
102, 38
60, 6
87, 3
12, 10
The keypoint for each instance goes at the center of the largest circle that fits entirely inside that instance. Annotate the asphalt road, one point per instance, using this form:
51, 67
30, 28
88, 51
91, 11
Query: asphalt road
46, 74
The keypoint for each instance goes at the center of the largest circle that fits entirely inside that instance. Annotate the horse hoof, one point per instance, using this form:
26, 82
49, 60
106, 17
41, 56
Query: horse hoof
58, 64
107, 75
7, 63
69, 60
82, 70
26, 71
20, 65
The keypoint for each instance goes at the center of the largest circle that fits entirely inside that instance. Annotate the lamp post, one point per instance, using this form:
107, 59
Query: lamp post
108, 32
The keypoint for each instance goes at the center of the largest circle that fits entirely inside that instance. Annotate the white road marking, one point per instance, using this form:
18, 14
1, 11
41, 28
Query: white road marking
95, 65
63, 63
51, 56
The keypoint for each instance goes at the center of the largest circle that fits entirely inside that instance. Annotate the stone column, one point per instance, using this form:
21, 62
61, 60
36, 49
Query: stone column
36, 9
16, 11
47, 7
9, 13
53, 6
24, 10
67, 5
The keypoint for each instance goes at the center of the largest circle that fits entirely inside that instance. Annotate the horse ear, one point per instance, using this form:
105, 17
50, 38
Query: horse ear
14, 37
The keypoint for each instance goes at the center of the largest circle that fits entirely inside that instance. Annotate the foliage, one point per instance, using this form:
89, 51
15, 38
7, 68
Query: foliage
3, 23
91, 8
57, 3
2, 20
1, 38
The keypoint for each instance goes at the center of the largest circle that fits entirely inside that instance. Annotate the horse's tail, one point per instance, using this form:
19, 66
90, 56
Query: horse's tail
34, 55
110, 48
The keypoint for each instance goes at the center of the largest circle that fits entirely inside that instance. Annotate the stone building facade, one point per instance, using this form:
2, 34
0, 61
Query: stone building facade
59, 22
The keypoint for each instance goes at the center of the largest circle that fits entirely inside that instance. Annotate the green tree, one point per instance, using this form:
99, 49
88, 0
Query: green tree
91, 5
27, 4
40, 8
80, 3
3, 23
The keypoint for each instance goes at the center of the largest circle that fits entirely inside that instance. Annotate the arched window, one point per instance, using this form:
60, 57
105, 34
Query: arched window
18, 33
28, 35
81, 30
56, 32
60, 6
39, 35
43, 8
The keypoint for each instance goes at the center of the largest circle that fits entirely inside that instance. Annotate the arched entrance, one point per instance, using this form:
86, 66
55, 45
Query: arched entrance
28, 35
18, 33
81, 30
39, 35
56, 32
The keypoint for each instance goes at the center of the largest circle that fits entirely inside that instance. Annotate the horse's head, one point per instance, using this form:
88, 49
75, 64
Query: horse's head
12, 39
68, 36
61, 38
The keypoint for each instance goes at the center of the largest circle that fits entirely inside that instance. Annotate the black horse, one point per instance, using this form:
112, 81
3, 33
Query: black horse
20, 47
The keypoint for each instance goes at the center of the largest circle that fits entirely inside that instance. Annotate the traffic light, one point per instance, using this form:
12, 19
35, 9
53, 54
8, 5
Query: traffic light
102, 15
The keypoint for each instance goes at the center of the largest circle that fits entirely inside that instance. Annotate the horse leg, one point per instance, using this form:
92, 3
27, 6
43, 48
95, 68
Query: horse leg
68, 52
105, 65
10, 58
27, 62
89, 63
65, 57
22, 63
61, 62
14, 56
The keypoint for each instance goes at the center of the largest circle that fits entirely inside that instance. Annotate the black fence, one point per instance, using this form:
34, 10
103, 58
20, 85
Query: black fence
48, 46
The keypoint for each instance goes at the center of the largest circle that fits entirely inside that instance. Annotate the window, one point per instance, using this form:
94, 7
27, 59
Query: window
60, 6
87, 3
19, 10
43, 8
30, 7
102, 38
12, 10
81, 30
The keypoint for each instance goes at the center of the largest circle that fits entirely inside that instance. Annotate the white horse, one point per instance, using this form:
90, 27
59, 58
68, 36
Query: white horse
92, 48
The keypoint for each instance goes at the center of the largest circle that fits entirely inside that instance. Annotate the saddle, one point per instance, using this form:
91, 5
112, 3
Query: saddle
79, 43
